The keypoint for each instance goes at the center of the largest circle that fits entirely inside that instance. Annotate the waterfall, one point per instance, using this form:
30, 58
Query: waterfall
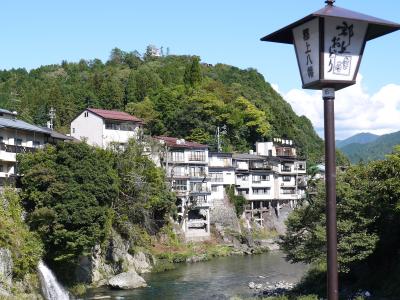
51, 289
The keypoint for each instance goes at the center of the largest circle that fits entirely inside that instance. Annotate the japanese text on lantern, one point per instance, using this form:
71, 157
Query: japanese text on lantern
339, 57
309, 63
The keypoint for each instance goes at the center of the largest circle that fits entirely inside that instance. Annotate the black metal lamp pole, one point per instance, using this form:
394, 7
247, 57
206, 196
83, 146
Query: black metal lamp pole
314, 34
328, 94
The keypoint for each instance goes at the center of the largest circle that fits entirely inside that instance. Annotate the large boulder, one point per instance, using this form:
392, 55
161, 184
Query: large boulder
6, 266
127, 281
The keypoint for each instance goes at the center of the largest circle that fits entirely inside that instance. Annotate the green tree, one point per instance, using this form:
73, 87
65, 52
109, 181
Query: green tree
192, 76
67, 190
144, 197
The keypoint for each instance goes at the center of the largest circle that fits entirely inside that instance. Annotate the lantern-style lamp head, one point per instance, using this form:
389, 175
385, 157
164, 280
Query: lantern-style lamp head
329, 44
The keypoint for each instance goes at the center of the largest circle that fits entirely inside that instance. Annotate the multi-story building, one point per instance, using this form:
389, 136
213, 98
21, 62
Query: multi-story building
186, 165
17, 136
269, 178
105, 128
222, 174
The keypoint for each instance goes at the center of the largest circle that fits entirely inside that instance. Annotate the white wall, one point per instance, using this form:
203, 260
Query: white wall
89, 128
118, 136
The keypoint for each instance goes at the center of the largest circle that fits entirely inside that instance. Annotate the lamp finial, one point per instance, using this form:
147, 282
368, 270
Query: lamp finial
330, 2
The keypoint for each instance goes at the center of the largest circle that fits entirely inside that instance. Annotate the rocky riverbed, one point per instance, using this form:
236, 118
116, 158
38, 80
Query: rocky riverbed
271, 289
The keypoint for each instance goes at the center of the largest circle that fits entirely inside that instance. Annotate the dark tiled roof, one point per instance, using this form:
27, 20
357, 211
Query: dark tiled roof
220, 154
57, 135
179, 143
114, 115
18, 124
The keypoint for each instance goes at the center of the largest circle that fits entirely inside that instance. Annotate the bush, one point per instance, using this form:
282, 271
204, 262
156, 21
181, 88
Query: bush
238, 201
25, 246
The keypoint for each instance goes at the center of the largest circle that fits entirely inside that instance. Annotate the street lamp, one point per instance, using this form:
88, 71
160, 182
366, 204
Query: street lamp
329, 45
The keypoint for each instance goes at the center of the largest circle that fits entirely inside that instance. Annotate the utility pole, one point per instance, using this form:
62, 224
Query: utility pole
52, 115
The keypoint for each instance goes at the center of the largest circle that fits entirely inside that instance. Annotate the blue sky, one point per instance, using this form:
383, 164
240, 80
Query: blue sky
44, 32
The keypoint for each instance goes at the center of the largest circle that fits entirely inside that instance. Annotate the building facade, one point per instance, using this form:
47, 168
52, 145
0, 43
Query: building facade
17, 136
106, 128
269, 178
221, 173
186, 165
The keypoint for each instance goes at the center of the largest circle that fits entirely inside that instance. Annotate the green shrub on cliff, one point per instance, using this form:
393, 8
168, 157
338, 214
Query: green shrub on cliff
67, 190
25, 246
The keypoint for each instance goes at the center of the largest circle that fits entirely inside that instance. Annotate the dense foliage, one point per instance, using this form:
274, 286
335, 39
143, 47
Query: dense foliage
75, 194
67, 190
144, 196
238, 201
25, 246
368, 203
175, 95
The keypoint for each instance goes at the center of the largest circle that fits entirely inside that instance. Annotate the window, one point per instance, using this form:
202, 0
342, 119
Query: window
243, 177
227, 162
86, 114
1, 168
1, 139
214, 188
180, 185
177, 156
73, 130
36, 144
176, 171
286, 178
261, 191
243, 191
301, 167
286, 168
197, 156
197, 171
217, 177
288, 191
259, 178
18, 142
198, 187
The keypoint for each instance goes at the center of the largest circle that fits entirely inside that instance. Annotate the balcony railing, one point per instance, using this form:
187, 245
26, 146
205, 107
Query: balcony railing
197, 189
198, 174
17, 148
197, 158
260, 166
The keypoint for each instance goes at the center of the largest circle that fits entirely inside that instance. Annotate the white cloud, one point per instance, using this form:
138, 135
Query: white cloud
355, 109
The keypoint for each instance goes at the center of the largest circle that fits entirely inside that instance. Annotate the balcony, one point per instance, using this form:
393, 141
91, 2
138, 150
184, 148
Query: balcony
195, 189
285, 151
260, 166
198, 174
16, 148
286, 168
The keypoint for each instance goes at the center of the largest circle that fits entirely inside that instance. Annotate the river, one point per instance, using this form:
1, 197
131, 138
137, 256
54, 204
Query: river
219, 278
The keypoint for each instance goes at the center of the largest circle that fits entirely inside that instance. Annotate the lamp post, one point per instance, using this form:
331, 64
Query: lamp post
329, 45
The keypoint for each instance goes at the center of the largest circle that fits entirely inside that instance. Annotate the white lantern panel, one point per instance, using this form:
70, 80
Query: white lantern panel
306, 40
343, 42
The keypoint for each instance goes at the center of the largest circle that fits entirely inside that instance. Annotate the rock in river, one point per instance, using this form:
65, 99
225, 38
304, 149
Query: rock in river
126, 281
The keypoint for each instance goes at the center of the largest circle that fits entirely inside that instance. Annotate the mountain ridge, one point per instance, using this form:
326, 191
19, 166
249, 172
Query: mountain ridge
359, 138
374, 150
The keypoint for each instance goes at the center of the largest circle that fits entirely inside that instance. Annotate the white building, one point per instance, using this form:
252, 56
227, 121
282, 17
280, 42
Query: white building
270, 178
17, 136
186, 165
102, 128
222, 174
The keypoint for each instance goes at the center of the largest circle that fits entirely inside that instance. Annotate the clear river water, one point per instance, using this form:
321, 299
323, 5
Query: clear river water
219, 278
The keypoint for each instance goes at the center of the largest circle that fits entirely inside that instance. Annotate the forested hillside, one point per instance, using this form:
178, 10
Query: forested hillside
374, 150
175, 95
